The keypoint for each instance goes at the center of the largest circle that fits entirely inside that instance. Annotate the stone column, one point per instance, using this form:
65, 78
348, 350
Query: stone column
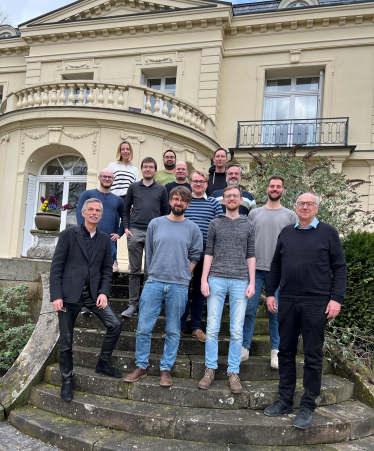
44, 245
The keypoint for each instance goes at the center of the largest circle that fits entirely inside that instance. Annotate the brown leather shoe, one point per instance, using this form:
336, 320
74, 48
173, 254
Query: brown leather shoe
199, 334
166, 380
137, 374
181, 334
234, 381
208, 379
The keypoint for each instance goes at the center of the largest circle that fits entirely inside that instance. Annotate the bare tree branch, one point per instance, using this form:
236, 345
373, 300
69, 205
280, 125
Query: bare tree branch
4, 17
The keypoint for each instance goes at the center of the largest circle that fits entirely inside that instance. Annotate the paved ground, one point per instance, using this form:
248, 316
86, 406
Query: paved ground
13, 440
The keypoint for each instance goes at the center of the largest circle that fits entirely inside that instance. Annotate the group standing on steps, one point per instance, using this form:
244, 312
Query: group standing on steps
205, 233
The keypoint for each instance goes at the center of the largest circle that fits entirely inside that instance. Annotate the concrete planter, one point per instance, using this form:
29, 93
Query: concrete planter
47, 221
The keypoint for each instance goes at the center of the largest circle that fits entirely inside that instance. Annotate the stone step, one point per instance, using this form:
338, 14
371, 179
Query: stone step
124, 361
257, 368
185, 392
187, 345
72, 435
131, 324
345, 421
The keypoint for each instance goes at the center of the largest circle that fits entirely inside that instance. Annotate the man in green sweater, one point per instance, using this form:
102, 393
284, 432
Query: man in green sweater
305, 256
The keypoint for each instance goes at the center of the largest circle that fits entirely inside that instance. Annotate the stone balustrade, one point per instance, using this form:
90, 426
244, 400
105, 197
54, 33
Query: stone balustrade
128, 97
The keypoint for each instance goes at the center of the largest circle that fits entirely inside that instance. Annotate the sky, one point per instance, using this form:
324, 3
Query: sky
20, 11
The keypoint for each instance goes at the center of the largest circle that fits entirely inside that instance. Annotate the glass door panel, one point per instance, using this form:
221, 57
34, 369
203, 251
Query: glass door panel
48, 188
75, 191
276, 108
305, 108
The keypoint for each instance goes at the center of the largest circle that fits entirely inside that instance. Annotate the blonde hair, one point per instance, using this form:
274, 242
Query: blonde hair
119, 157
201, 173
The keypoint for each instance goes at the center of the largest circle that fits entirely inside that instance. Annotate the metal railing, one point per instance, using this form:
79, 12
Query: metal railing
289, 132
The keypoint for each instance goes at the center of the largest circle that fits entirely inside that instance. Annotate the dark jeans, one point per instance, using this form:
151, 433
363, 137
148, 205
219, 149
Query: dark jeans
308, 316
197, 304
66, 323
135, 246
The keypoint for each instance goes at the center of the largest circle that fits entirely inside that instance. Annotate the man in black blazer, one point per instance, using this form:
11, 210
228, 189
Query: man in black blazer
81, 275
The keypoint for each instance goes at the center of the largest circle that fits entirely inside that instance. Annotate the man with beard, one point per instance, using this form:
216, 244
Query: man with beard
233, 177
269, 220
81, 274
229, 260
169, 275
167, 174
217, 173
145, 200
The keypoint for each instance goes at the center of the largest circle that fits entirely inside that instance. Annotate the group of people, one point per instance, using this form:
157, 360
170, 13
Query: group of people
207, 227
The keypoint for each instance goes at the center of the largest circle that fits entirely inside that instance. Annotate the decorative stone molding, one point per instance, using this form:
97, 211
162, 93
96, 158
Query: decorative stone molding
4, 139
78, 66
128, 135
289, 3
295, 56
55, 134
160, 59
44, 245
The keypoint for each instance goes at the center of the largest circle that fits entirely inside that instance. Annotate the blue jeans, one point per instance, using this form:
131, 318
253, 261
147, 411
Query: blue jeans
250, 315
113, 248
150, 305
218, 287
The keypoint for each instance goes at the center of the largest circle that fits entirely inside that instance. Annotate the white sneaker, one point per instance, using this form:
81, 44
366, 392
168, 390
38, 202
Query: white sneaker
115, 266
274, 359
244, 354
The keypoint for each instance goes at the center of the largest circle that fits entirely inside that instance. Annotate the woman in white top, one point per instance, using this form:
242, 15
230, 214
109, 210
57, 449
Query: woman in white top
124, 171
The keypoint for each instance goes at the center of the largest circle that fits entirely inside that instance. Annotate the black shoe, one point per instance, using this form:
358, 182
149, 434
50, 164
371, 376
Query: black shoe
303, 418
278, 408
107, 370
66, 392
85, 311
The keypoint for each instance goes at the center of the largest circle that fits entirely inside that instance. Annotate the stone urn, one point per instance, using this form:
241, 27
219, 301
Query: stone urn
47, 221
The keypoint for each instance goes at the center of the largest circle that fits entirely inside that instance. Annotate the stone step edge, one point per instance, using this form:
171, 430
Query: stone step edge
79, 436
331, 424
256, 395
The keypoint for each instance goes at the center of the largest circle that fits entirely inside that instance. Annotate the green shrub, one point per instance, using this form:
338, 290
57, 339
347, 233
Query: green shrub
358, 306
13, 308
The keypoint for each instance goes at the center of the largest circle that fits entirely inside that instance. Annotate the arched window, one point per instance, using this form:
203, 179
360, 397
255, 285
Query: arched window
65, 177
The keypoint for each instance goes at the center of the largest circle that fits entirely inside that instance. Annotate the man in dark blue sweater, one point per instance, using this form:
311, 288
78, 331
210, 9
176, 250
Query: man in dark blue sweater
305, 256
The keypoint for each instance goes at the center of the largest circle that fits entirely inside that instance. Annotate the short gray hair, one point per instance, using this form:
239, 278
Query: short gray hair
91, 201
312, 194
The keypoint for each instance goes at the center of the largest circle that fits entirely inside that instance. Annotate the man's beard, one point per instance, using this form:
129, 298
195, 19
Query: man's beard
231, 207
274, 198
179, 212
169, 166
233, 182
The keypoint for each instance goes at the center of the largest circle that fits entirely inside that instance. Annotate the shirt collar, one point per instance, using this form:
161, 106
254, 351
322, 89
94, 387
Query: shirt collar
141, 183
312, 225
204, 197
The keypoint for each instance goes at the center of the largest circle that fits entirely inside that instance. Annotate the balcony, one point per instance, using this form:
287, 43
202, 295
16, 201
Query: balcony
287, 133
129, 97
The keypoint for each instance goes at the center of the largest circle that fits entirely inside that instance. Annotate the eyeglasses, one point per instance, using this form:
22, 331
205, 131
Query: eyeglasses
177, 199
169, 158
148, 167
308, 204
107, 177
235, 196
198, 182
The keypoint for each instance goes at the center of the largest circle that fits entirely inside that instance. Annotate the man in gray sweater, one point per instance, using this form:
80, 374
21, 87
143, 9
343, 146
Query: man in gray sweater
173, 247
145, 200
229, 259
269, 221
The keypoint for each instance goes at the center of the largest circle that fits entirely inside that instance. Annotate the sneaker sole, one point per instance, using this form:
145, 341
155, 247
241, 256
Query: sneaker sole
285, 412
129, 316
135, 380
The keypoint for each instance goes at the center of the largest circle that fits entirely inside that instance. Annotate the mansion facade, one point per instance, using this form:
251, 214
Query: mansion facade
186, 75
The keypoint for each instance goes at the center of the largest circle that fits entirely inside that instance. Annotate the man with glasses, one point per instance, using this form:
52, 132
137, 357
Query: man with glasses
113, 208
167, 174
145, 200
229, 261
269, 220
305, 256
81, 274
201, 211
173, 247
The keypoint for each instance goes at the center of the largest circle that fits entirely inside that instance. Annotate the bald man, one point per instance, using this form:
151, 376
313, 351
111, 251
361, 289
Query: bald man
181, 173
113, 209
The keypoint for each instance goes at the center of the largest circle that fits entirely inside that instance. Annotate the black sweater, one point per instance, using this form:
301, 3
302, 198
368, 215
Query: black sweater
147, 202
303, 261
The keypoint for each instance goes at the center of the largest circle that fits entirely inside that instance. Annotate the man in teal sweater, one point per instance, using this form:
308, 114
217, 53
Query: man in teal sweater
305, 256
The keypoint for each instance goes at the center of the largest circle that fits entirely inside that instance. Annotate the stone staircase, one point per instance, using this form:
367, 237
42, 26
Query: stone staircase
108, 414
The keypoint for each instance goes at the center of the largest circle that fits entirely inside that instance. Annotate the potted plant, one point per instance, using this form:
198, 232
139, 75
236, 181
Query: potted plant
48, 218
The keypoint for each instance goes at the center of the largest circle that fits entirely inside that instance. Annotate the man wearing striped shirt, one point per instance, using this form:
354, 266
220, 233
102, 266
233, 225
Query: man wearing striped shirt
201, 211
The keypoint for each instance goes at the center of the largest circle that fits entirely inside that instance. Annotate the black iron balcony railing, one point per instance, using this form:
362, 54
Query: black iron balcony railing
284, 133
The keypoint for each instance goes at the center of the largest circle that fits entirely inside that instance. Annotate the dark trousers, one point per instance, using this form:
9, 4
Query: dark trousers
66, 323
308, 317
197, 304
